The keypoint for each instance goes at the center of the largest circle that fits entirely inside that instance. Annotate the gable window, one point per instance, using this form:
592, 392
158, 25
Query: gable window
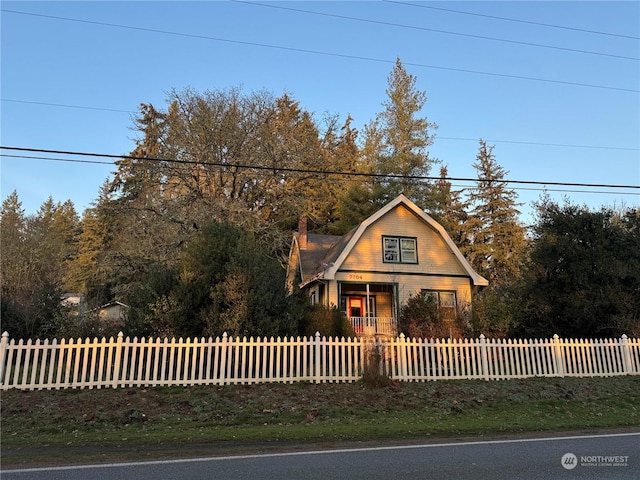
399, 250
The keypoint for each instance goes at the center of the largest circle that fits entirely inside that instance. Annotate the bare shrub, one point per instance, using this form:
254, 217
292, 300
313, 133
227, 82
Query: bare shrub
374, 370
421, 317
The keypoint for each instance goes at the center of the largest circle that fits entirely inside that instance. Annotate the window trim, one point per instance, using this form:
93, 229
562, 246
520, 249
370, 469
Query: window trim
398, 250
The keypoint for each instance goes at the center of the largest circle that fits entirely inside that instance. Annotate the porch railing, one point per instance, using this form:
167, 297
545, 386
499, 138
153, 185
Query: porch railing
370, 326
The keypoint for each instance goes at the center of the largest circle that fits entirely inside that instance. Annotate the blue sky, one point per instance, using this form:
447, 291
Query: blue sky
559, 104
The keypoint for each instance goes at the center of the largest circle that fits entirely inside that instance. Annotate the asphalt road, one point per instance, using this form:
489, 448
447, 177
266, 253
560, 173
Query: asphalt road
615, 456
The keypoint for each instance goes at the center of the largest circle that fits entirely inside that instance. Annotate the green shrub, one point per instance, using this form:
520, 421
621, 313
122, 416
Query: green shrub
330, 322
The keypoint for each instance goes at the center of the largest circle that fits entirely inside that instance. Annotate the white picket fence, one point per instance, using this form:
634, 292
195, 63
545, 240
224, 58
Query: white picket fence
125, 362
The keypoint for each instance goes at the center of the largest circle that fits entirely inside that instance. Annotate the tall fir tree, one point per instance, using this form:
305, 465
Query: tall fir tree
34, 261
86, 273
448, 208
394, 151
495, 238
404, 138
340, 153
14, 268
12, 237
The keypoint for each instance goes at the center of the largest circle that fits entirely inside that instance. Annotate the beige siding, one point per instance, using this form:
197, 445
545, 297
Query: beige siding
412, 286
384, 306
437, 267
433, 254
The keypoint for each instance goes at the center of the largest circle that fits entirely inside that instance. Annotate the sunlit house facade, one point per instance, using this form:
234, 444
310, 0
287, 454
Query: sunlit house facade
372, 270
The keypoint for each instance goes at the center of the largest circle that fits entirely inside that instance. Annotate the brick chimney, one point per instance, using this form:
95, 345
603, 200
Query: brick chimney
302, 232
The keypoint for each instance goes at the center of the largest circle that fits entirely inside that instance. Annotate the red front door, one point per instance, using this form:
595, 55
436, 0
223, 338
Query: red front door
355, 307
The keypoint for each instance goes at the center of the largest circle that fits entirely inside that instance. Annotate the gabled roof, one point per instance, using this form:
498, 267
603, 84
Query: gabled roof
313, 257
325, 253
112, 304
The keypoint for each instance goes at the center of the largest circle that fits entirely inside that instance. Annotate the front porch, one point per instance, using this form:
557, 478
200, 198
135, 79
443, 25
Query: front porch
370, 307
374, 326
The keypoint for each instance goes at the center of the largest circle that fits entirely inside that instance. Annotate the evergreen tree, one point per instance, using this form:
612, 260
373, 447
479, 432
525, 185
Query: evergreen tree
340, 153
12, 238
583, 278
14, 271
225, 282
448, 208
495, 240
399, 140
35, 252
86, 271
394, 152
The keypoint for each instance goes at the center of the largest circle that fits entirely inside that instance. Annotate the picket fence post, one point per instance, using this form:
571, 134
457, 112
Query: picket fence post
626, 355
116, 367
403, 355
484, 357
3, 354
558, 356
223, 359
316, 356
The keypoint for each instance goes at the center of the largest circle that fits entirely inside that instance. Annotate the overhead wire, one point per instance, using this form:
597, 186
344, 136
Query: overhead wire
357, 57
517, 20
437, 137
66, 105
543, 144
544, 184
463, 187
331, 54
435, 30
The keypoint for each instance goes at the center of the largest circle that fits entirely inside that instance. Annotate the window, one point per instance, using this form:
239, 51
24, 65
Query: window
441, 298
372, 306
447, 299
399, 250
391, 249
408, 252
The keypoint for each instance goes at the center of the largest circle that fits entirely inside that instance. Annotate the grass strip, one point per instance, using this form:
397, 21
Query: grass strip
94, 425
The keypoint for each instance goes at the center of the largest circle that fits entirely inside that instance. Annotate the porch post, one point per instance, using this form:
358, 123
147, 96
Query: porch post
368, 314
396, 305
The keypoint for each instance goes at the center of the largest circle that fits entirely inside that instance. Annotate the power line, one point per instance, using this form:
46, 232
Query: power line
316, 172
495, 17
330, 54
632, 149
463, 187
65, 105
65, 160
437, 137
447, 32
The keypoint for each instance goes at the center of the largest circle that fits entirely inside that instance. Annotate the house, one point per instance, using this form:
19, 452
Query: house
76, 303
73, 300
371, 271
113, 313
